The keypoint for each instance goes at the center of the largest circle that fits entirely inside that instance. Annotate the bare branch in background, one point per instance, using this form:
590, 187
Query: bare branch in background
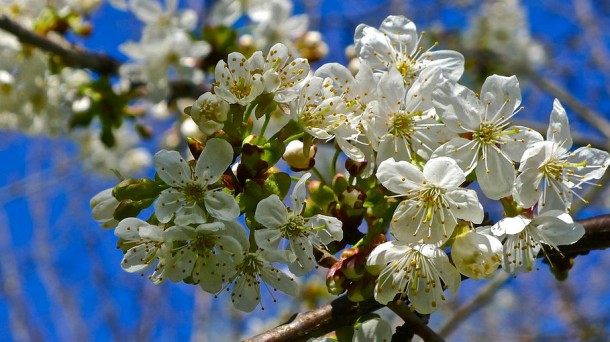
11, 288
591, 116
484, 296
75, 57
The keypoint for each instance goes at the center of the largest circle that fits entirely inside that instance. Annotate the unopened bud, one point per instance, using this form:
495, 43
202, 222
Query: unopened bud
476, 255
296, 158
135, 189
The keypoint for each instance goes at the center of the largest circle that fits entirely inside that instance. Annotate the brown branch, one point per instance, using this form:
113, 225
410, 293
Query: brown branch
415, 324
341, 311
75, 57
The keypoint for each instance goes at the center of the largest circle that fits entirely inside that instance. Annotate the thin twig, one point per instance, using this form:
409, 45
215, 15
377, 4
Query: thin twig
75, 57
591, 116
483, 297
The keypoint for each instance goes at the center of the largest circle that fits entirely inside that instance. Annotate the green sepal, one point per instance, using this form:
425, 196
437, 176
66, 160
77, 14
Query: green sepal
128, 208
264, 105
321, 194
136, 189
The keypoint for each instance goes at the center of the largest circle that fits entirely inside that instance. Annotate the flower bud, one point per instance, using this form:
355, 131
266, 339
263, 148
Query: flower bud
209, 112
135, 189
476, 255
103, 206
295, 157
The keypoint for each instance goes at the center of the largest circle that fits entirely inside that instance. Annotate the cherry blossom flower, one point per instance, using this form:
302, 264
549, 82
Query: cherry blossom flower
405, 124
434, 199
414, 271
103, 205
149, 248
490, 144
301, 233
209, 112
476, 255
207, 253
190, 196
396, 45
549, 172
255, 268
523, 237
235, 82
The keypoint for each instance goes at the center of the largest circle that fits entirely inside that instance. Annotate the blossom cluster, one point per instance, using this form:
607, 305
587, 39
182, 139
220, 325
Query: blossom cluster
417, 145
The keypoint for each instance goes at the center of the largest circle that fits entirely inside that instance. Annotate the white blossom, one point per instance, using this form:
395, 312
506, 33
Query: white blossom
190, 197
549, 172
149, 248
434, 199
103, 205
405, 125
256, 268
301, 233
208, 253
491, 144
209, 112
235, 82
476, 255
396, 45
523, 237
414, 271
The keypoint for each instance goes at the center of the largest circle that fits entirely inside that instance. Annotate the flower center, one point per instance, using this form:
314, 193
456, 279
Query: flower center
402, 124
293, 228
193, 192
241, 89
487, 134
432, 198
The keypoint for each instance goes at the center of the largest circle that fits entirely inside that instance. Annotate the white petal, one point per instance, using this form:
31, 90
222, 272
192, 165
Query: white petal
138, 259
516, 143
496, 174
557, 231
305, 260
401, 29
399, 177
271, 212
221, 205
559, 127
596, 160
459, 107
190, 213
373, 330
213, 161
332, 230
299, 193
169, 201
510, 226
450, 62
128, 229
172, 168
444, 172
268, 238
246, 293
528, 187
280, 281
465, 152
467, 201
502, 95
